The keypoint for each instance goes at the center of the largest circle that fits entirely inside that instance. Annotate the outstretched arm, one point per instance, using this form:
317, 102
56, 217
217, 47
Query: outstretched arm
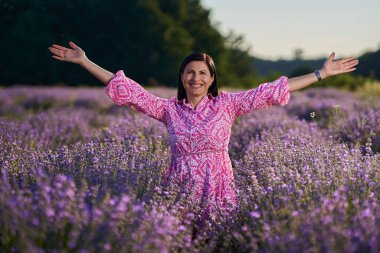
76, 55
330, 68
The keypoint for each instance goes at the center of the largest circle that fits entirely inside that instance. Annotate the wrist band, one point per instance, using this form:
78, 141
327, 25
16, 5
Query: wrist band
318, 74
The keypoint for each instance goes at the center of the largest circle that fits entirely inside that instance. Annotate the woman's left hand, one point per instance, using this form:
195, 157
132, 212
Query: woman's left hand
331, 68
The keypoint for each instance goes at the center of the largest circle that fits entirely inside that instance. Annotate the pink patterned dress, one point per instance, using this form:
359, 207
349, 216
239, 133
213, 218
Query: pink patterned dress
199, 137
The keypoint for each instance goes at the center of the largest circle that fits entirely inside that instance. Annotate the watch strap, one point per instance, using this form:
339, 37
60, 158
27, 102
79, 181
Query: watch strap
318, 75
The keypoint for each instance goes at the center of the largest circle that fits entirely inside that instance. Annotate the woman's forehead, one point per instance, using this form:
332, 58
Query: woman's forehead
197, 65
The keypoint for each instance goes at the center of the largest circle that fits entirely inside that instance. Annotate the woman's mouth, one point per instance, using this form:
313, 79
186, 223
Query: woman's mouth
196, 85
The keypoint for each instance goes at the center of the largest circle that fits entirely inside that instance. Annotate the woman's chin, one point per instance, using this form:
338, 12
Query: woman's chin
197, 93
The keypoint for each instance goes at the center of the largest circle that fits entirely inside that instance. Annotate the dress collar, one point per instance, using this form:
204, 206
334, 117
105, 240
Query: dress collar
201, 103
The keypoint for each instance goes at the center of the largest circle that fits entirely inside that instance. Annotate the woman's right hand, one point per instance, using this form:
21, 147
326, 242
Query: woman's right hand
74, 54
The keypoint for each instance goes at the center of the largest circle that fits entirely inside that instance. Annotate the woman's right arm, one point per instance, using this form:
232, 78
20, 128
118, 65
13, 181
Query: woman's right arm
119, 88
76, 55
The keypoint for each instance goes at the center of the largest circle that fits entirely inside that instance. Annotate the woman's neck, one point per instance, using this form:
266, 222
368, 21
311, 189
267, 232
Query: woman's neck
194, 101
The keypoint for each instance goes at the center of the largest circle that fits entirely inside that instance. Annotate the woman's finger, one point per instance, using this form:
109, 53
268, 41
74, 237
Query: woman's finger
331, 57
354, 62
59, 47
73, 45
349, 70
58, 58
350, 64
54, 50
57, 52
347, 59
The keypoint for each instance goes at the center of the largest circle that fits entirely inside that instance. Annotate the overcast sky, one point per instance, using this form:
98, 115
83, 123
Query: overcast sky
274, 28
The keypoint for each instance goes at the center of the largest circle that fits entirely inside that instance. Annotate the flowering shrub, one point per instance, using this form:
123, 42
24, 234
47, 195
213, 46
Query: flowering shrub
79, 174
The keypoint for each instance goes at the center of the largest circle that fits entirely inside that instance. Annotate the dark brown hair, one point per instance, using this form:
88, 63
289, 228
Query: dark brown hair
211, 67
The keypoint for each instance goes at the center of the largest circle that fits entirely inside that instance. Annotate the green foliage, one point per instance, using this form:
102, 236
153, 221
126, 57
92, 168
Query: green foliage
301, 70
369, 90
148, 39
348, 82
370, 64
242, 72
286, 67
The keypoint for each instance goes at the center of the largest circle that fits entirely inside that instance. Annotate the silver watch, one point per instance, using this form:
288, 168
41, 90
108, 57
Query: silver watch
318, 74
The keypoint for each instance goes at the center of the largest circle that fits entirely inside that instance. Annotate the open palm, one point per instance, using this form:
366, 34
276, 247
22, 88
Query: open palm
341, 66
74, 54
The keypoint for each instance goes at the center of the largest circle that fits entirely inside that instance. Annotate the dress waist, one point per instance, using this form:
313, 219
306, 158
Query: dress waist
199, 152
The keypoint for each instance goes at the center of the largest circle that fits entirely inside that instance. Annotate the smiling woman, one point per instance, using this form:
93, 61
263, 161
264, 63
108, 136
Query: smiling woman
199, 121
197, 78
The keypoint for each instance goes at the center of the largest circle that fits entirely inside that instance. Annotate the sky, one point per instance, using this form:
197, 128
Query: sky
273, 29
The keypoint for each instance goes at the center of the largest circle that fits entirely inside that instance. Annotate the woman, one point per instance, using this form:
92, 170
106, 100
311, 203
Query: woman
199, 121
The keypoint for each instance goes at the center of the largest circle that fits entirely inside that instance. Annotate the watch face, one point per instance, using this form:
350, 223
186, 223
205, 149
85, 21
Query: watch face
318, 74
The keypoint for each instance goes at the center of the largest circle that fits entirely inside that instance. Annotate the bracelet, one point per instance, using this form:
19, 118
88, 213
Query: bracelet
318, 74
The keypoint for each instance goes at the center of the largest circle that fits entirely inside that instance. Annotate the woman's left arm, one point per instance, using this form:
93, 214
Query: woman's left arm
330, 68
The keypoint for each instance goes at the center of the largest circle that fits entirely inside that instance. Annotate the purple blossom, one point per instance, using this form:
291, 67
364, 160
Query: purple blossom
89, 173
255, 214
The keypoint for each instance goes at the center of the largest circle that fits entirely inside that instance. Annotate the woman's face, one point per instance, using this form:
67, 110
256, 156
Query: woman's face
196, 79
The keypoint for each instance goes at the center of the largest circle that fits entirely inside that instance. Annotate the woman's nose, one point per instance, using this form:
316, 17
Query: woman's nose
196, 77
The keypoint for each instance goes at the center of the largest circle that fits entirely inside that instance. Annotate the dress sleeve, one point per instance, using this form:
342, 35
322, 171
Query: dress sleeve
276, 92
125, 91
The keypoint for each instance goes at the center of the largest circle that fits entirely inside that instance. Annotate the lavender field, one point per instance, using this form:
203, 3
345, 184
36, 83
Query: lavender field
80, 174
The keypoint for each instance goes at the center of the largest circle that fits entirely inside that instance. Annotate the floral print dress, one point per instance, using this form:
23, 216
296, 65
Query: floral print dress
199, 137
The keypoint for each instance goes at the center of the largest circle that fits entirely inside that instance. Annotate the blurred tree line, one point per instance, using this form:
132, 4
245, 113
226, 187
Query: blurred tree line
148, 39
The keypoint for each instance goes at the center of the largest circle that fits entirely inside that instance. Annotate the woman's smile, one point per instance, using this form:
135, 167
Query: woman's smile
196, 79
196, 85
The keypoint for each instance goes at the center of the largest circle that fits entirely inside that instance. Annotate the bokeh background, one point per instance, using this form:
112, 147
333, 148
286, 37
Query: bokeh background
250, 41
